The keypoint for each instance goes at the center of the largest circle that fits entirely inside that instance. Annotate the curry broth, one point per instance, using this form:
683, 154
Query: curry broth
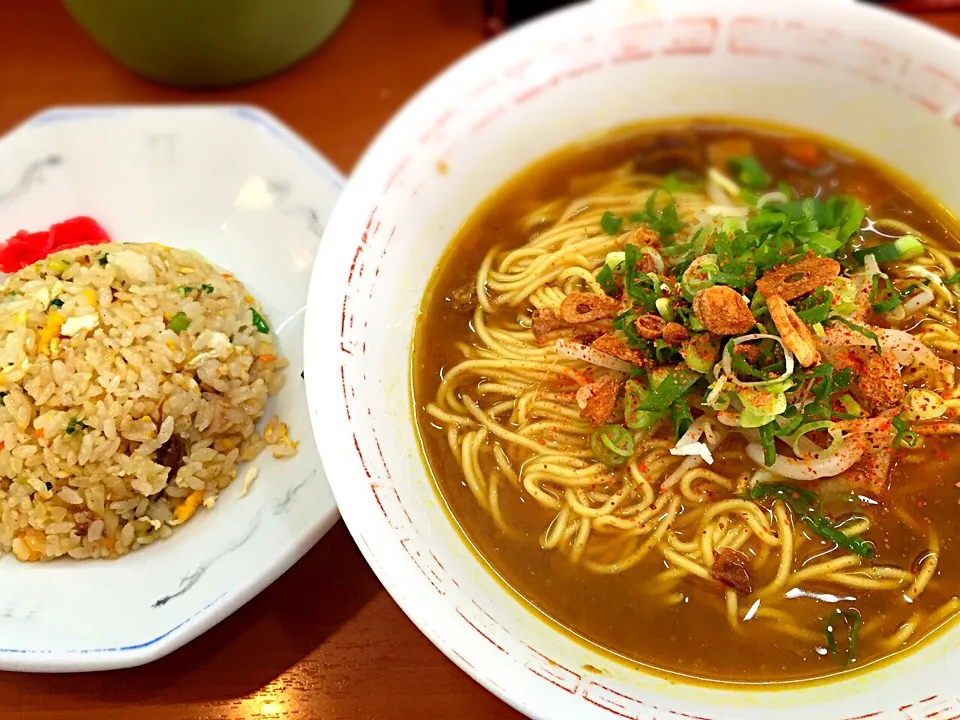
690, 638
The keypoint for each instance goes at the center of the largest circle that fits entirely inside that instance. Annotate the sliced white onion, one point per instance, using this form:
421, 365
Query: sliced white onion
905, 347
773, 196
727, 210
656, 257
871, 268
922, 272
881, 423
576, 351
692, 449
693, 433
806, 449
761, 476
811, 469
715, 391
920, 300
726, 361
730, 419
910, 351
720, 188
711, 436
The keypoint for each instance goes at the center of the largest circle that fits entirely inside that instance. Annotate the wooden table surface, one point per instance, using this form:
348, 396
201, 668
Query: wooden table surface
325, 640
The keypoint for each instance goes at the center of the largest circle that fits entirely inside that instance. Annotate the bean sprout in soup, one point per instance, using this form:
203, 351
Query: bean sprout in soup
691, 391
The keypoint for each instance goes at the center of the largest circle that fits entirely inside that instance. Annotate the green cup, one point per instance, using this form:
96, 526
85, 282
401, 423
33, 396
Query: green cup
209, 43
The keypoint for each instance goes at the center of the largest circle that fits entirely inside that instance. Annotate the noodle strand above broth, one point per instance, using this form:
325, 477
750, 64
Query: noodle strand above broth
692, 393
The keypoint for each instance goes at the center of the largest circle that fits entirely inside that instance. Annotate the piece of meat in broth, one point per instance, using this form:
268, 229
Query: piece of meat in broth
730, 568
598, 399
612, 345
871, 473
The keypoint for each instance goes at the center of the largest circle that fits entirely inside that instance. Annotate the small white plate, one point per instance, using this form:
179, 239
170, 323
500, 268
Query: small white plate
236, 185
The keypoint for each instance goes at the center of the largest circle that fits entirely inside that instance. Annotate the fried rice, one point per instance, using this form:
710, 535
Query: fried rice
132, 378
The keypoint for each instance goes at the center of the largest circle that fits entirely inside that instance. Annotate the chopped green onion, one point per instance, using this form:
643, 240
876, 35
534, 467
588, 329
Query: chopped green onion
606, 281
800, 500
699, 275
750, 418
681, 416
910, 439
760, 402
102, 259
664, 308
767, 440
701, 352
803, 503
742, 369
259, 323
56, 303
816, 314
179, 322
888, 290
814, 426
682, 181
612, 445
615, 260
749, 172
611, 223
624, 322
663, 353
907, 247
823, 527
638, 285
73, 425
885, 306
796, 420
842, 379
905, 436
853, 621
674, 385
663, 221
844, 293
851, 406
184, 289
638, 419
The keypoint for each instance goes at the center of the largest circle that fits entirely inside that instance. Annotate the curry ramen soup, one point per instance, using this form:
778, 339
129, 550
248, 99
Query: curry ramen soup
691, 392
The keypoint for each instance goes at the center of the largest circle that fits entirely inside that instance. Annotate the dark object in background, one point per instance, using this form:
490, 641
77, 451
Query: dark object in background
918, 7
503, 14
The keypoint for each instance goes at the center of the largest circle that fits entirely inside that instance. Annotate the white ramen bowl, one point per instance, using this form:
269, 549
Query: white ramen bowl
872, 80
237, 186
